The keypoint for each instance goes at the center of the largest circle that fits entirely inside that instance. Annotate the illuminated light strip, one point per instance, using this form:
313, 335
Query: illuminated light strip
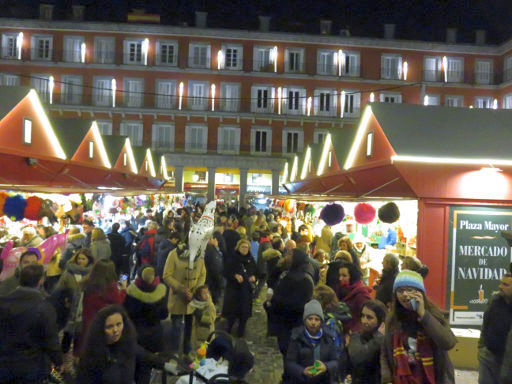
449, 160
180, 99
445, 68
129, 149
372, 97
340, 62
275, 58
101, 145
285, 172
307, 158
295, 166
113, 87
145, 50
151, 165
325, 151
279, 99
425, 100
213, 97
405, 70
19, 44
359, 137
51, 86
82, 52
34, 99
342, 103
163, 165
308, 107
220, 60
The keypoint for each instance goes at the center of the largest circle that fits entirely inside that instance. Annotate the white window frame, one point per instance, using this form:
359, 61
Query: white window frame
34, 43
102, 96
71, 89
73, 55
10, 80
458, 76
352, 104
484, 102
134, 129
230, 101
165, 100
193, 62
127, 54
507, 68
104, 49
268, 144
300, 141
432, 75
433, 100
391, 66
354, 64
239, 57
296, 67
41, 82
449, 100
483, 77
195, 101
167, 43
261, 65
257, 94
397, 97
320, 107
228, 148
299, 101
9, 52
320, 133
193, 146
105, 127
133, 98
329, 67
155, 143
507, 101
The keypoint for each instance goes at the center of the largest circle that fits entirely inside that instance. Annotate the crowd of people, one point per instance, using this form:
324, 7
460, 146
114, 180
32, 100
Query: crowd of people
97, 317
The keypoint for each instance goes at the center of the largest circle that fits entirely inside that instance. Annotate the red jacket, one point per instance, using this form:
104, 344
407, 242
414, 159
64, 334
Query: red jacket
355, 298
94, 302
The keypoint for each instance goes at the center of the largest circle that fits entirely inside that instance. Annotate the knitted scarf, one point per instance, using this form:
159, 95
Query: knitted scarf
423, 371
315, 342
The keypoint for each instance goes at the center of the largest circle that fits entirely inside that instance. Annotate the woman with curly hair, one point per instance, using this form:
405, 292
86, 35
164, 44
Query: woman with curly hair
110, 353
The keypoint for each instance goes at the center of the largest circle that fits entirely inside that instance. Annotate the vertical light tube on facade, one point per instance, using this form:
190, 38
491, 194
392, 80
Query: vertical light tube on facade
114, 89
340, 62
19, 44
308, 106
51, 85
275, 58
342, 103
372, 97
145, 50
425, 100
279, 99
495, 104
213, 97
445, 68
82, 52
180, 98
405, 70
220, 60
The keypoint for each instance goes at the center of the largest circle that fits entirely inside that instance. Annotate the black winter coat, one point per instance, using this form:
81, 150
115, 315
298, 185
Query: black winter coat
300, 355
214, 269
238, 296
117, 244
28, 334
231, 237
364, 355
385, 287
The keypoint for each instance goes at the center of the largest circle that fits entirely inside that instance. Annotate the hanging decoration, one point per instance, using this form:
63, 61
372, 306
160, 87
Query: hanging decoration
389, 213
289, 205
364, 213
332, 214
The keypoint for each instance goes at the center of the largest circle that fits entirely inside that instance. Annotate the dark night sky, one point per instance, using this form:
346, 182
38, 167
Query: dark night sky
415, 19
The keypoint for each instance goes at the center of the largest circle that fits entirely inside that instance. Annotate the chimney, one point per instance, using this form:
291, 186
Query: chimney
345, 32
451, 35
78, 12
325, 26
389, 31
46, 11
201, 19
480, 36
264, 23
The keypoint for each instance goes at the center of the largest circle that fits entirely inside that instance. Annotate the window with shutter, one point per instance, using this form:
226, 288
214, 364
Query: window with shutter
71, 89
105, 127
230, 94
102, 91
166, 94
42, 47
9, 46
199, 56
432, 69
167, 52
104, 49
483, 70
325, 63
134, 131
133, 92
10, 80
41, 84
262, 59
198, 95
73, 49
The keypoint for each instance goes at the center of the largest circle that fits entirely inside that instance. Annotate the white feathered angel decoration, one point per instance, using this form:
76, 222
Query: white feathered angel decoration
201, 232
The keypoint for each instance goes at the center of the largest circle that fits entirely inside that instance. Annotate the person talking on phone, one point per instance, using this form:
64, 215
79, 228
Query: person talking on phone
417, 337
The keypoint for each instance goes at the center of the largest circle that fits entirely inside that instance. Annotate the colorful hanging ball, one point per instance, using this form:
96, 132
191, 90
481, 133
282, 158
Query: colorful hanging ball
3, 196
14, 207
289, 205
364, 213
33, 207
389, 213
332, 214
301, 206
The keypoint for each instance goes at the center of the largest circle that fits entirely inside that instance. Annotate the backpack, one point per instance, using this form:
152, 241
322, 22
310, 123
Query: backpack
335, 325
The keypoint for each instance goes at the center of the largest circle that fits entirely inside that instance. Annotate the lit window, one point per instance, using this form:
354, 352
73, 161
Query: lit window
329, 159
91, 149
125, 159
27, 131
369, 144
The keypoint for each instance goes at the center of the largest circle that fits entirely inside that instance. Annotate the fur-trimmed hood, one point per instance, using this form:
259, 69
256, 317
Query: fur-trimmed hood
147, 297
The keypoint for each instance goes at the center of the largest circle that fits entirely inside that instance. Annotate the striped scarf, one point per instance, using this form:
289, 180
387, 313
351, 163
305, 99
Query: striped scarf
420, 373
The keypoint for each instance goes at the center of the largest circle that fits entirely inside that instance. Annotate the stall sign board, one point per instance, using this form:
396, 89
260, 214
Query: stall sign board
478, 258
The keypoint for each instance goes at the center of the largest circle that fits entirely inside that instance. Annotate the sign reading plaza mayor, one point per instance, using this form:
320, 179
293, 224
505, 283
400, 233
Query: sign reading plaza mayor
478, 258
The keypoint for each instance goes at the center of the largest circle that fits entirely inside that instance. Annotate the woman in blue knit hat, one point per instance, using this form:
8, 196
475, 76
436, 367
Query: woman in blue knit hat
418, 337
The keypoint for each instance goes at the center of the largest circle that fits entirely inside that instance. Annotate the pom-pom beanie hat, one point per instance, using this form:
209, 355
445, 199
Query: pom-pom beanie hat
408, 278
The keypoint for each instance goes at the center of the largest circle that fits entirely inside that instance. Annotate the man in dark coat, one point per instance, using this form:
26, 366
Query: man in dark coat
117, 248
389, 272
213, 262
231, 237
164, 248
28, 330
12, 282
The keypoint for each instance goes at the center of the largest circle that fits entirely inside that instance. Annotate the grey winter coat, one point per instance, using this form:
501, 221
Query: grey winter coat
100, 249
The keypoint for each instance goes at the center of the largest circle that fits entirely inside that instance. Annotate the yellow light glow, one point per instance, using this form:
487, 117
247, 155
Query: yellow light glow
295, 168
425, 100
41, 114
180, 98
51, 85
372, 97
164, 168
359, 137
495, 104
129, 149
405, 70
101, 145
308, 107
151, 164
279, 99
19, 44
307, 158
274, 56
450, 160
220, 60
113, 86
325, 151
285, 172
342, 103
145, 50
82, 52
